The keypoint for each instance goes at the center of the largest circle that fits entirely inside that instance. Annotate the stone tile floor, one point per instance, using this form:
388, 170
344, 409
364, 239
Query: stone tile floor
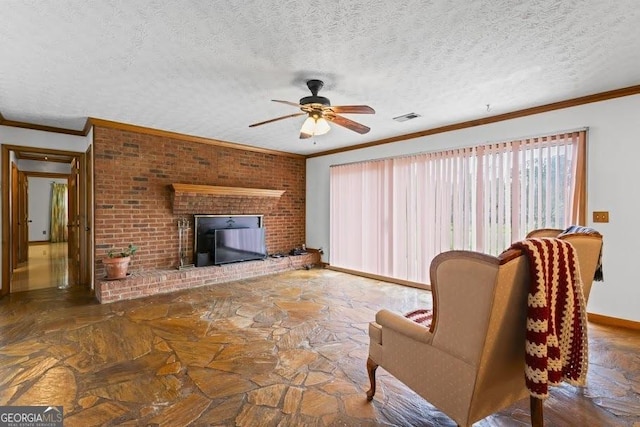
282, 350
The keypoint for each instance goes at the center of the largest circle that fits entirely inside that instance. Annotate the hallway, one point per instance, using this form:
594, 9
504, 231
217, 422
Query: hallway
47, 267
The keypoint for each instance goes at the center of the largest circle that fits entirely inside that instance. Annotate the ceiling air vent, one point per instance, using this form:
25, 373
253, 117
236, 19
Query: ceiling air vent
405, 117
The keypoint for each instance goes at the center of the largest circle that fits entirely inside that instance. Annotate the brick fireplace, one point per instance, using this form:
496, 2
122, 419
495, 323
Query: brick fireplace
146, 181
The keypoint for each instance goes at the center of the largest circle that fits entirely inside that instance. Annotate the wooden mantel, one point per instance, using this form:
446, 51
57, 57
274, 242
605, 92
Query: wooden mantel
215, 190
212, 199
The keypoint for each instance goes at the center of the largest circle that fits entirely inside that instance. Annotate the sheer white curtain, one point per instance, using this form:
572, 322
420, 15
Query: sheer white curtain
391, 217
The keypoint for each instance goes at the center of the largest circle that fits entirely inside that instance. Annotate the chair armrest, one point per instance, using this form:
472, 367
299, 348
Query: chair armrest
404, 326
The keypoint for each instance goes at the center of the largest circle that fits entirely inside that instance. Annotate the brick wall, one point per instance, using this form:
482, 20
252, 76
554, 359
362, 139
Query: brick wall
133, 172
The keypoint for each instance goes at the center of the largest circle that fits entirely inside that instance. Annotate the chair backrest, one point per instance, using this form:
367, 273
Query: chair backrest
482, 319
588, 248
500, 379
462, 283
544, 232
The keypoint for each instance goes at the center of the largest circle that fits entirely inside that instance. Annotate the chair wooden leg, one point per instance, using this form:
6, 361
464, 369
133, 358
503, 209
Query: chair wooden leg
371, 370
537, 419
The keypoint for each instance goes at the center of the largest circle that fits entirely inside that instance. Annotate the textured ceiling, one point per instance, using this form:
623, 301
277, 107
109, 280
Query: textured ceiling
210, 68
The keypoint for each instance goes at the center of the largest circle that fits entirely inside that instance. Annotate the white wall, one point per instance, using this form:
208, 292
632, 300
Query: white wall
39, 139
40, 207
613, 162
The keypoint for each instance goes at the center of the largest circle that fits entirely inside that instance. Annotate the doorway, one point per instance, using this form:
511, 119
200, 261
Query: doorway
47, 266
32, 262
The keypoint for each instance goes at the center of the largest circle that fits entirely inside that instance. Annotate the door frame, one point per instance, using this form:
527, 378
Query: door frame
13, 213
7, 235
23, 220
74, 221
87, 269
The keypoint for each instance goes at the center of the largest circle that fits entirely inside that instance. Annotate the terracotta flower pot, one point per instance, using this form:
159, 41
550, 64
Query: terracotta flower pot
116, 268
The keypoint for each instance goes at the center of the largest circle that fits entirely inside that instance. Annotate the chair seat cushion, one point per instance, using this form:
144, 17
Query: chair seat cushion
422, 316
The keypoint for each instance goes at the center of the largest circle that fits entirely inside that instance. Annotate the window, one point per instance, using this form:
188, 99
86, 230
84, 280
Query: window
390, 217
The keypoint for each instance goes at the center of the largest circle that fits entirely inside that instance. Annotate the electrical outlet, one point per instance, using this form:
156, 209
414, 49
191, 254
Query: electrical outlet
600, 216
44, 232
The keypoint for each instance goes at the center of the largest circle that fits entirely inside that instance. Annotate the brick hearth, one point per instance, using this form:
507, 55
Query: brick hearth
139, 285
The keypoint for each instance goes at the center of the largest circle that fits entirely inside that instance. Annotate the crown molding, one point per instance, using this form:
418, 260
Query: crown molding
190, 138
92, 121
32, 126
597, 97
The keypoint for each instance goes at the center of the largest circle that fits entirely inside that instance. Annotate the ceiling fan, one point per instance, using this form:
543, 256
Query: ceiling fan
319, 112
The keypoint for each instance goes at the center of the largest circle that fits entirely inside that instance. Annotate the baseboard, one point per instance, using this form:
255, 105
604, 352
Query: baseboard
39, 242
592, 317
382, 278
613, 321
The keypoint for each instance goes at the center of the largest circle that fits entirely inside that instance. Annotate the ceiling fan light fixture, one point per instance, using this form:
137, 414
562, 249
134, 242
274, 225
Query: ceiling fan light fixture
308, 126
318, 109
322, 126
313, 126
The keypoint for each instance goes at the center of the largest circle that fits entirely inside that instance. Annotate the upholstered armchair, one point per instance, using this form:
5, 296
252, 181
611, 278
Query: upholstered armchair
470, 362
588, 247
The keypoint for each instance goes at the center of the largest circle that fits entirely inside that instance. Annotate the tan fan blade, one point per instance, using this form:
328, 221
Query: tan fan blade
287, 102
353, 109
276, 119
305, 135
349, 124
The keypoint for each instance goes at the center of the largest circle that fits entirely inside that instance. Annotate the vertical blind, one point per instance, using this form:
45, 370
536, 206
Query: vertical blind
390, 217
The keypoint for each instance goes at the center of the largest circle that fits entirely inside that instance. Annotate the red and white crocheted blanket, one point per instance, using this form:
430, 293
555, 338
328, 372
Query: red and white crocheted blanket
422, 316
556, 347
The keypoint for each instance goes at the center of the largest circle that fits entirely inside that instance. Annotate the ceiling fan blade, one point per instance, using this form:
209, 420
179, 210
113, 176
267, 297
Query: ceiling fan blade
353, 109
276, 119
295, 104
349, 124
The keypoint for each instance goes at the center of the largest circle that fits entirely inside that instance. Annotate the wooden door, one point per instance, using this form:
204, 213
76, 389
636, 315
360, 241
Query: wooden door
15, 217
23, 213
87, 249
7, 218
73, 224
